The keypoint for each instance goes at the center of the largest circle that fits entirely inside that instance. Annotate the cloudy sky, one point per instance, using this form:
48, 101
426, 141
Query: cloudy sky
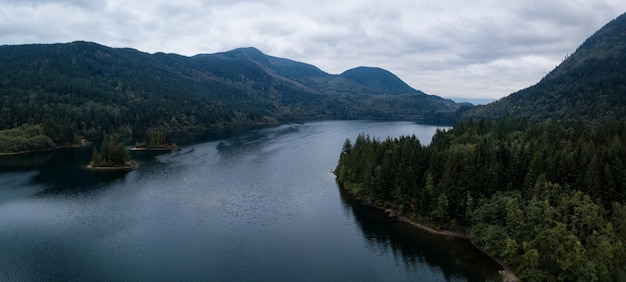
463, 48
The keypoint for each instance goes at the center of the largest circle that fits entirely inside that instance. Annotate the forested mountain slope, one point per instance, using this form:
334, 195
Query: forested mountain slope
84, 89
536, 179
548, 199
589, 85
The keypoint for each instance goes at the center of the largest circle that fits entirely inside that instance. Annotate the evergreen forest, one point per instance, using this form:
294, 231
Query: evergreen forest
155, 140
536, 179
112, 153
83, 90
25, 138
548, 199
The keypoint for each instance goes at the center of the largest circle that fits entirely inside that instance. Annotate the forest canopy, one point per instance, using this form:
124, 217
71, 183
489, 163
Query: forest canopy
25, 138
112, 153
548, 198
85, 90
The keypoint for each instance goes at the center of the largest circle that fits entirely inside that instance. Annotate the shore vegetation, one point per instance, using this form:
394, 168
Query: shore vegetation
548, 199
24, 139
112, 154
155, 140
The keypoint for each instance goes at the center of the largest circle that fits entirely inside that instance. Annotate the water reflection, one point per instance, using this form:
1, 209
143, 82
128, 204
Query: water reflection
185, 138
458, 260
253, 140
62, 172
241, 206
24, 162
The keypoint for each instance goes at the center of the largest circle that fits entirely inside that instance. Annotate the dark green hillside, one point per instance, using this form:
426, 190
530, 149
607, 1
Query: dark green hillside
279, 66
86, 90
548, 199
89, 89
537, 179
379, 81
589, 85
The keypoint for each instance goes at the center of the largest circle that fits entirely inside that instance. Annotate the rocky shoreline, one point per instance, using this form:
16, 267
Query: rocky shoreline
169, 148
130, 166
505, 273
27, 152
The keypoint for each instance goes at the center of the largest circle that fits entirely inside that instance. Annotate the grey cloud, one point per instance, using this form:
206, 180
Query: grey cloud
89, 5
454, 48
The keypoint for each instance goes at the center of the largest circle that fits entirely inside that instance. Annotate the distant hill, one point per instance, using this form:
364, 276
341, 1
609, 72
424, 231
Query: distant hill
378, 81
589, 85
473, 101
83, 89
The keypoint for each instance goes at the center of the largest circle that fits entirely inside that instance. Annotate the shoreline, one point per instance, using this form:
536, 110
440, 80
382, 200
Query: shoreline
132, 166
154, 148
27, 152
505, 273
83, 143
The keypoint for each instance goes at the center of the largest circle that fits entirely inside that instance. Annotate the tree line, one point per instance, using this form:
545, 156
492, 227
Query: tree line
549, 198
156, 139
84, 90
112, 153
25, 138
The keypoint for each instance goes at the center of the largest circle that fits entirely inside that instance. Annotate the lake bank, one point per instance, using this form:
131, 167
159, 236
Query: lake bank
139, 149
26, 152
83, 143
131, 166
505, 273
243, 206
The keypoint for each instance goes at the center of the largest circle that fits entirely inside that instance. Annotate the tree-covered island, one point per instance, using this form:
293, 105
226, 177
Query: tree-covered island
112, 156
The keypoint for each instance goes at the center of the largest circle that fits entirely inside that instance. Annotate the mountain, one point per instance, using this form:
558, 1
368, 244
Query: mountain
360, 80
378, 81
473, 101
517, 187
589, 85
84, 89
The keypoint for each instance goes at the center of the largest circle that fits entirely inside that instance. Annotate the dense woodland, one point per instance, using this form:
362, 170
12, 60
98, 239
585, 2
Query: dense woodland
549, 198
85, 90
25, 138
155, 139
112, 153
537, 179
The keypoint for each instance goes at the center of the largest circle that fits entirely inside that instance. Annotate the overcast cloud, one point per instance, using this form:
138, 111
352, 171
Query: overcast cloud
481, 48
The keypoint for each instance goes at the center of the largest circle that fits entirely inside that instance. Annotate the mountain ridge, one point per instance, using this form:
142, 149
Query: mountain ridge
85, 89
379, 79
590, 84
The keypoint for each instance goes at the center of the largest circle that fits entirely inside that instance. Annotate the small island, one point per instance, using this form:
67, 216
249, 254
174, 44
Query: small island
113, 156
155, 140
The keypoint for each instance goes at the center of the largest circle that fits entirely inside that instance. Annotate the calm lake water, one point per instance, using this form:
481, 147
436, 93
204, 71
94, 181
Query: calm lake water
248, 205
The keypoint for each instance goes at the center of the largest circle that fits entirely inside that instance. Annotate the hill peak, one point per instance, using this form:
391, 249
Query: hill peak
379, 78
588, 85
608, 43
246, 50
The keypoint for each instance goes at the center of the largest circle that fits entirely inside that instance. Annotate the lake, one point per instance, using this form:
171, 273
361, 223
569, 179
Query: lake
243, 205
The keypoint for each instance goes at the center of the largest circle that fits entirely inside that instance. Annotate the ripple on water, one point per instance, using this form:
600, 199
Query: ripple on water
259, 205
